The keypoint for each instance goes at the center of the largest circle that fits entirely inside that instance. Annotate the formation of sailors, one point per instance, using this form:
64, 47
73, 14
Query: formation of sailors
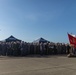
24, 49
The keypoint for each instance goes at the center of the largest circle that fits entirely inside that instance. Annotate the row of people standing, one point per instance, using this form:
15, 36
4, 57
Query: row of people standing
23, 48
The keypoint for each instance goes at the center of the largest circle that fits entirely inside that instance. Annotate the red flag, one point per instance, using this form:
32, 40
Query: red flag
72, 40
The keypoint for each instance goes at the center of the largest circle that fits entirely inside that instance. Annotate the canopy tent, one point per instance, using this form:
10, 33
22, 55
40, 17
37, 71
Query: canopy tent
12, 38
40, 40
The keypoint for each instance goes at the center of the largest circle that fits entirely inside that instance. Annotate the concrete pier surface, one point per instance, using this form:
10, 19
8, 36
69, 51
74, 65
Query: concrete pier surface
46, 65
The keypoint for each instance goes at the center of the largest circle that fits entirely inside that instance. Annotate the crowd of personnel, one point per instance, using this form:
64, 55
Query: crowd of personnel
24, 49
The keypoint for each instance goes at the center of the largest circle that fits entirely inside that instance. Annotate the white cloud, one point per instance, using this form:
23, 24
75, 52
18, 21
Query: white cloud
31, 17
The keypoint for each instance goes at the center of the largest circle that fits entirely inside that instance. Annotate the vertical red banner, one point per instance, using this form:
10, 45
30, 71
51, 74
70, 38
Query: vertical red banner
72, 40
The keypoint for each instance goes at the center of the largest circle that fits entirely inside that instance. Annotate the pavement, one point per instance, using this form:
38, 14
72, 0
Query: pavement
46, 65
